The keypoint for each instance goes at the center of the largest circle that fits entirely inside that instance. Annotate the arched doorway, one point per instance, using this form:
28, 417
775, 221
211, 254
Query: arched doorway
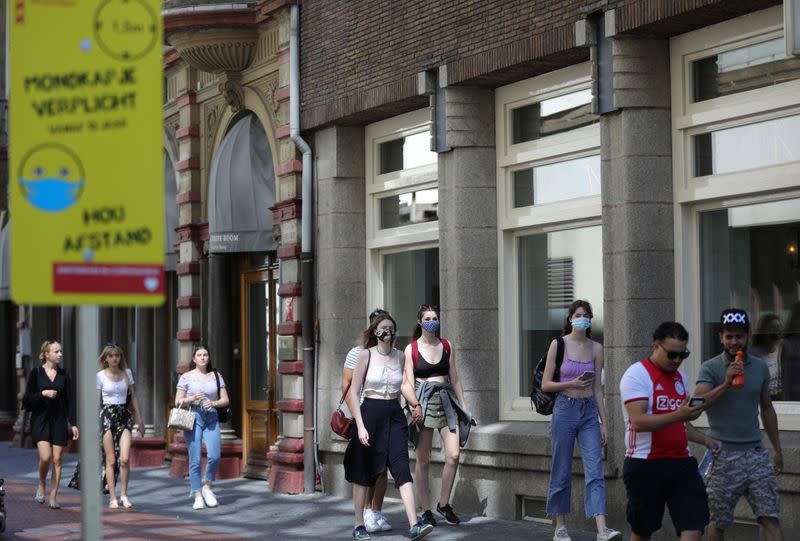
243, 282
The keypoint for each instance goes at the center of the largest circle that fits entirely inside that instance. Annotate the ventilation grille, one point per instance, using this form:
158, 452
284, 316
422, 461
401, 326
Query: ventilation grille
560, 282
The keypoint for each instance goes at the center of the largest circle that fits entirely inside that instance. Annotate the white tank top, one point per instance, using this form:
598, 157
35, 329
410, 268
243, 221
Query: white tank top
114, 392
385, 374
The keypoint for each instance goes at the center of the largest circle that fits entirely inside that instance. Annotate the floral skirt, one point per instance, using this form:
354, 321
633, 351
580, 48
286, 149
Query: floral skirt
117, 419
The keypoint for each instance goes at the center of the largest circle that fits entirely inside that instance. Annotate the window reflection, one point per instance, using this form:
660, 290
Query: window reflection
746, 147
560, 181
552, 116
410, 279
746, 68
555, 269
410, 208
749, 260
405, 153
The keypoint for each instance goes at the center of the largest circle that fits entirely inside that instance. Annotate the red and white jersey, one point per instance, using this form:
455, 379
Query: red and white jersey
664, 392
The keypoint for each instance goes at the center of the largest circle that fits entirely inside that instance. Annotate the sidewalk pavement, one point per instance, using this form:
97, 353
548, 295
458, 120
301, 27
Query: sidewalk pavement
247, 510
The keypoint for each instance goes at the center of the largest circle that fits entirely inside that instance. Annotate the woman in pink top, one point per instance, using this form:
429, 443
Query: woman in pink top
579, 414
198, 389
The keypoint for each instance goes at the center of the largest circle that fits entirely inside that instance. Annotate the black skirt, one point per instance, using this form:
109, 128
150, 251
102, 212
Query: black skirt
388, 445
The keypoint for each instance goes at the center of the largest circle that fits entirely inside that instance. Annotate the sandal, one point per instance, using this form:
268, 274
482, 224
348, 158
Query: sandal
52, 504
39, 496
126, 503
112, 504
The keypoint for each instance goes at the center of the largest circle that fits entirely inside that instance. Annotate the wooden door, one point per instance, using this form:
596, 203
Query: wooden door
259, 360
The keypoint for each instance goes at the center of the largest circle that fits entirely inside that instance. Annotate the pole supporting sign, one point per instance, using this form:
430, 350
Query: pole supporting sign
86, 155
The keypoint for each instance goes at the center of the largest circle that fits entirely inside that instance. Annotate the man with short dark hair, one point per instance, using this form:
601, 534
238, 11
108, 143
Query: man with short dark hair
743, 466
658, 468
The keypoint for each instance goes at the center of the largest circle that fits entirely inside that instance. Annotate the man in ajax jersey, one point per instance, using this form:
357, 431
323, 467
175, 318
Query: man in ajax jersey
659, 470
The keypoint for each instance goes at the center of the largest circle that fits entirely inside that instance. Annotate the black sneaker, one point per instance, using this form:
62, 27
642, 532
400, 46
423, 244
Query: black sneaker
427, 518
419, 530
360, 532
447, 513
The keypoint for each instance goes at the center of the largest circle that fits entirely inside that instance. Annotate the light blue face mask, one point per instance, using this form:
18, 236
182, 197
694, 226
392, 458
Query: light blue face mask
581, 323
52, 194
432, 325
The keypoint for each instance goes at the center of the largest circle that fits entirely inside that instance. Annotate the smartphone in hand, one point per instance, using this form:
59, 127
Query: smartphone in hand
696, 401
587, 376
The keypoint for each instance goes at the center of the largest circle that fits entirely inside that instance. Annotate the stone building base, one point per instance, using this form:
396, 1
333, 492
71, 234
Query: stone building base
147, 452
286, 474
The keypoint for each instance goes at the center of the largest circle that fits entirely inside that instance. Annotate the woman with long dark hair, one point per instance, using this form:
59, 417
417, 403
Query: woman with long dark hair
198, 388
441, 406
49, 399
380, 438
115, 387
578, 414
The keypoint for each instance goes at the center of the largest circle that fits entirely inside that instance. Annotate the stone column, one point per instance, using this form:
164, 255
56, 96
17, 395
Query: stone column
638, 259
340, 273
468, 245
145, 369
149, 450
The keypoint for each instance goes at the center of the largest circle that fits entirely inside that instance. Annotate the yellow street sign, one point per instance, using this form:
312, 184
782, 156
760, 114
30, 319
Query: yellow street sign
86, 177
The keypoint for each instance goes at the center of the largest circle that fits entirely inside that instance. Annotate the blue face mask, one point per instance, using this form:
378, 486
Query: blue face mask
581, 323
432, 325
52, 194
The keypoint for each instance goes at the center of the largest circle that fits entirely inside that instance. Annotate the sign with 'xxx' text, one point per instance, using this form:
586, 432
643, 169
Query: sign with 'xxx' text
86, 177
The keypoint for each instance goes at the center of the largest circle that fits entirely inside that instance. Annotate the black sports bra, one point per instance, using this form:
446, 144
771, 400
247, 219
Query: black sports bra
424, 369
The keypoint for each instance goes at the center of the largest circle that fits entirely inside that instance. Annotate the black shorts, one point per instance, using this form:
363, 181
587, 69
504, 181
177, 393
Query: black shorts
672, 481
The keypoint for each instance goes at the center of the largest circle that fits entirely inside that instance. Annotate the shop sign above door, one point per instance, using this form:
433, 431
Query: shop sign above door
86, 173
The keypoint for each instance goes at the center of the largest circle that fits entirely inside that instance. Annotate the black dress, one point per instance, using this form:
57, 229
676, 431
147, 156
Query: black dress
49, 416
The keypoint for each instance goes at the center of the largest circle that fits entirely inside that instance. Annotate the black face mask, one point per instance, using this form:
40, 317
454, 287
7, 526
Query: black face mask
384, 335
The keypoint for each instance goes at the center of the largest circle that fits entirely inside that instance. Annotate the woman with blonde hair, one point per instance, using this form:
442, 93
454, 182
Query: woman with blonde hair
48, 397
116, 391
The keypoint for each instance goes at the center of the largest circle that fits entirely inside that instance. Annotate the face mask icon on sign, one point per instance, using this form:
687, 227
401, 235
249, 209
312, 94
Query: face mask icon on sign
51, 177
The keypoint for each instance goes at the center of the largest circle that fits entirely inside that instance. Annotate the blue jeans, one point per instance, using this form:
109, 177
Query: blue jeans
206, 430
576, 418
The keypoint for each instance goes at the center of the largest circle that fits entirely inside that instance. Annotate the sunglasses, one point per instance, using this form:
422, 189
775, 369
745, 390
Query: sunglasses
672, 355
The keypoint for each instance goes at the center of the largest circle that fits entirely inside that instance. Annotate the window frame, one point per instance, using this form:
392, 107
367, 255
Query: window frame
696, 195
380, 242
513, 223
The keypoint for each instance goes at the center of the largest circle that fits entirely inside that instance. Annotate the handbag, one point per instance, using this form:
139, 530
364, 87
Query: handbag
341, 424
224, 412
181, 418
75, 482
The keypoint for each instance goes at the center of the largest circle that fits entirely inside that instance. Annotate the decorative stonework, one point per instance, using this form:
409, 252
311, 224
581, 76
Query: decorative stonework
267, 89
217, 50
230, 86
211, 114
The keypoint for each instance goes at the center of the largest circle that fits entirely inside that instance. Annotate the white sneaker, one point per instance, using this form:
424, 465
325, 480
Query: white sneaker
208, 496
561, 534
199, 503
609, 535
383, 524
371, 521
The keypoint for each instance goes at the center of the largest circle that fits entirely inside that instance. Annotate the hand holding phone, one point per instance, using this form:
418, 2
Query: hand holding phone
696, 401
587, 376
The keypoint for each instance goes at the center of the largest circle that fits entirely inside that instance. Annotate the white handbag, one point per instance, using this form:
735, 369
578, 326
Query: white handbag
181, 418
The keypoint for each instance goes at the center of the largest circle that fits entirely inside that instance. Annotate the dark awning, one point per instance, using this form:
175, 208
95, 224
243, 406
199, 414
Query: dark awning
170, 214
5, 290
241, 190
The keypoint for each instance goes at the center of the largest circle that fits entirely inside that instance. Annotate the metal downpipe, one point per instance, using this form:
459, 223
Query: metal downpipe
306, 257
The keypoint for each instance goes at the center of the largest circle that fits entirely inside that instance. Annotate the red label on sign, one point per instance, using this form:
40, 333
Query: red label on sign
108, 278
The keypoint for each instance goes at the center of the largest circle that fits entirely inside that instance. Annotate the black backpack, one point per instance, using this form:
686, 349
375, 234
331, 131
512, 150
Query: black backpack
542, 401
